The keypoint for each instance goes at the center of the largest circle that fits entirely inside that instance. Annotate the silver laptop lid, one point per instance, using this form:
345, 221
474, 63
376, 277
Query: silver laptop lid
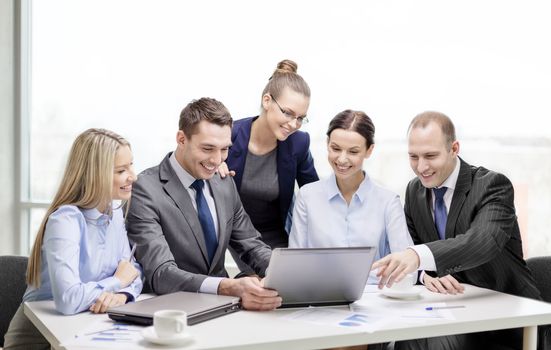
319, 276
192, 303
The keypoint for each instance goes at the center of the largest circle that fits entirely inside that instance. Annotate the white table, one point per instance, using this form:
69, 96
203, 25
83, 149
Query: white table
484, 310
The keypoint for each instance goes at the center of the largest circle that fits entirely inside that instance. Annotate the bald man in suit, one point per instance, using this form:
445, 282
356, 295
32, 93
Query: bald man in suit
463, 222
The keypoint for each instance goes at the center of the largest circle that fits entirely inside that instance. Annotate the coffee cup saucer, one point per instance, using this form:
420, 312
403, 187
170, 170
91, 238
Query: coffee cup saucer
150, 335
413, 293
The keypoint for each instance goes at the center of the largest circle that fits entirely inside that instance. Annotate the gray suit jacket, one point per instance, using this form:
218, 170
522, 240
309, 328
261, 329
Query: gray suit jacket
483, 245
170, 243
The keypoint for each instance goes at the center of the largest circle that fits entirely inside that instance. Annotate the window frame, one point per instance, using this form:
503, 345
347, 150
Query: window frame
24, 204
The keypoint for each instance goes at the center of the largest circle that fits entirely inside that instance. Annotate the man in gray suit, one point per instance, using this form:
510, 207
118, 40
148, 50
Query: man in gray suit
183, 216
463, 222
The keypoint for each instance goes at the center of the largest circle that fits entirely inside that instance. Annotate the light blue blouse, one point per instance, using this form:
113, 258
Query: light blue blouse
375, 217
80, 254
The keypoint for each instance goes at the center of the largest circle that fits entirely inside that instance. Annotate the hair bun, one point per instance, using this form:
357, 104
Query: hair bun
286, 66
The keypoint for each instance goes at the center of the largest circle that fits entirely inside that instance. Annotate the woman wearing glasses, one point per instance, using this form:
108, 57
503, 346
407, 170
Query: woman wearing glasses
81, 257
349, 209
269, 154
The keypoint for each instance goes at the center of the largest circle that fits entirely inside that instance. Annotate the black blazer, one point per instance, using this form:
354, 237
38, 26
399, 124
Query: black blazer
294, 161
483, 245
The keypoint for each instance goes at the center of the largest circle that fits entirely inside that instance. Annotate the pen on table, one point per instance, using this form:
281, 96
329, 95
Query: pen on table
444, 307
116, 328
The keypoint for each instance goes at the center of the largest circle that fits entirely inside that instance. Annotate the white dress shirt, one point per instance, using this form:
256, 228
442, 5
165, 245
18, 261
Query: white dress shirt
426, 258
210, 284
81, 251
374, 217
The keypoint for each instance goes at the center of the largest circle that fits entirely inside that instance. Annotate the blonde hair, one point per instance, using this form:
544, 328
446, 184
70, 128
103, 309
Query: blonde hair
86, 183
285, 75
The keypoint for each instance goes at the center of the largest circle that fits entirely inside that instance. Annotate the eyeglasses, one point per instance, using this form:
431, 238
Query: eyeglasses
289, 115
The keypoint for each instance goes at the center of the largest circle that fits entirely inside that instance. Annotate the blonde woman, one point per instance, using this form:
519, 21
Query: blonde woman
269, 155
81, 257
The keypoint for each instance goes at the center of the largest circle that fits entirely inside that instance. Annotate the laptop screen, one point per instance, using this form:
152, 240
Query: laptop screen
319, 276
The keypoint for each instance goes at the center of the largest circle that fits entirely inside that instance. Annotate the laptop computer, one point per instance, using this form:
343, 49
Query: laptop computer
199, 307
319, 276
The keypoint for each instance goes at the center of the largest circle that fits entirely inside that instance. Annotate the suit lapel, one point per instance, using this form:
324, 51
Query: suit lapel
174, 188
239, 150
423, 198
223, 213
462, 187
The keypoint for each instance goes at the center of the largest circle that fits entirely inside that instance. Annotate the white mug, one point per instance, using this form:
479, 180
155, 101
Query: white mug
169, 323
406, 284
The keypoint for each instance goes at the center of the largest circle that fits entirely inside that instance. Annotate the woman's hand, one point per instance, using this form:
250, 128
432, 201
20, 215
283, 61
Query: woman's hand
126, 273
107, 300
224, 171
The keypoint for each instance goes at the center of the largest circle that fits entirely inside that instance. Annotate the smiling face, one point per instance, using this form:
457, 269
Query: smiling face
430, 157
202, 153
346, 152
282, 115
124, 175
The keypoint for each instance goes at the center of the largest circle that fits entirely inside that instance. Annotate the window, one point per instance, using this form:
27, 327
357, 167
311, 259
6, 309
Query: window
132, 66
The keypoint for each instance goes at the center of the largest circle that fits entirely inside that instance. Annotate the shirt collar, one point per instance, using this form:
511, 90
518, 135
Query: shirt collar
93, 214
185, 178
451, 181
333, 190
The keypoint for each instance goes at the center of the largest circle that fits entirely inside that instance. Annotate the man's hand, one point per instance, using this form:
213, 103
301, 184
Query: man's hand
444, 285
107, 300
394, 267
223, 170
252, 293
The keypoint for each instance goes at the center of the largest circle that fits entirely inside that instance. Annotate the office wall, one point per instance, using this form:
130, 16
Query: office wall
6, 127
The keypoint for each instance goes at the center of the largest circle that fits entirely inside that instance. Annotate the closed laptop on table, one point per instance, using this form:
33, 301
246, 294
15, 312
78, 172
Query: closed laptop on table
319, 276
199, 307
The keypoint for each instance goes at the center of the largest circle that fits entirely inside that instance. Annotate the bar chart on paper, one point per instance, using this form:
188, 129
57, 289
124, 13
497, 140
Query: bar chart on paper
107, 335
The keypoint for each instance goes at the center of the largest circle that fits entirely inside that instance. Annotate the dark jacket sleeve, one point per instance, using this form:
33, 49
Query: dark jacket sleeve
306, 172
491, 222
246, 240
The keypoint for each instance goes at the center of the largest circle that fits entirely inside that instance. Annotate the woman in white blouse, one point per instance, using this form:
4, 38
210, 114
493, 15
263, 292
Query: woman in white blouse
348, 209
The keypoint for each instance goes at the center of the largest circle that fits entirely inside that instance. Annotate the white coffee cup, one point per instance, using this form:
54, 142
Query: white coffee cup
406, 284
169, 323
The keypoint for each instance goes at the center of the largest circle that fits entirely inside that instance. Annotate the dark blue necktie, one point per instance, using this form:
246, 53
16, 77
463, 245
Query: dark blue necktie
440, 214
205, 218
